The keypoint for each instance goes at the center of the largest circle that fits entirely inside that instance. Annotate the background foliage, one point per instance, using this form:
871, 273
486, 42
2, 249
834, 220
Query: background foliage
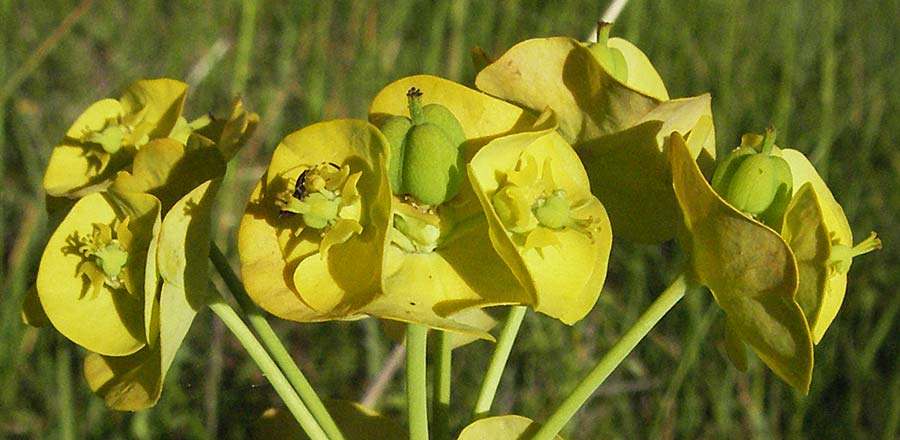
825, 73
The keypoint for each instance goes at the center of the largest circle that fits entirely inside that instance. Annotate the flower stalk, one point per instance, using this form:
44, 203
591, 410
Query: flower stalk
268, 367
613, 358
273, 345
442, 378
416, 393
498, 361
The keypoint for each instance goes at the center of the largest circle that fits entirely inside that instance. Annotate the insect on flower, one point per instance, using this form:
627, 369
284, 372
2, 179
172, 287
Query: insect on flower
300, 190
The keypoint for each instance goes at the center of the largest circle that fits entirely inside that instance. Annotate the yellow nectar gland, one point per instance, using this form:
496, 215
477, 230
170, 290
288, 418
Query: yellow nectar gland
105, 255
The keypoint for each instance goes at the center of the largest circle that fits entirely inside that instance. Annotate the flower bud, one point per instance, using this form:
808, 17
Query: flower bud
427, 152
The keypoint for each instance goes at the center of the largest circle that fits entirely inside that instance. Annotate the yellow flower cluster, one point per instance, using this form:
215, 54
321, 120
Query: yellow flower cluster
137, 180
416, 243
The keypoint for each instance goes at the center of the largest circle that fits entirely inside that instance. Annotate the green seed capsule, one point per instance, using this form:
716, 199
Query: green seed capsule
394, 130
427, 152
753, 185
430, 170
756, 182
774, 214
611, 59
729, 165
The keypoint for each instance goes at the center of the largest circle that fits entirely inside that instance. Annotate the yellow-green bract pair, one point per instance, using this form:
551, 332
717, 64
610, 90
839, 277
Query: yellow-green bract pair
614, 109
324, 236
780, 284
124, 273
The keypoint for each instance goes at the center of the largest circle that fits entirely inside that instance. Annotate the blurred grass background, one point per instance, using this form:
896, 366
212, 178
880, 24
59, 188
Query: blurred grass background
825, 73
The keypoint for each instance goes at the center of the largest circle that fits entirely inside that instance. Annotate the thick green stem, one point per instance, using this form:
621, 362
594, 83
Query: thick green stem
613, 358
273, 345
265, 363
441, 409
498, 360
416, 387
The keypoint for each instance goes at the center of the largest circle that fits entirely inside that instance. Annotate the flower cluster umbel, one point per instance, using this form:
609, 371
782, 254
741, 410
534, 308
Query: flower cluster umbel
447, 200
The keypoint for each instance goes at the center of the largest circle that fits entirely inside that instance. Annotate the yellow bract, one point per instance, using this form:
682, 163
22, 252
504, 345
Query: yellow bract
69, 292
388, 256
544, 221
507, 427
134, 382
126, 271
440, 260
748, 267
617, 127
563, 74
285, 266
106, 136
818, 232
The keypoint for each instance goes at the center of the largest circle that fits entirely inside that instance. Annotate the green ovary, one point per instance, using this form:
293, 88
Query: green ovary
553, 211
111, 259
105, 255
318, 209
114, 136
842, 255
529, 203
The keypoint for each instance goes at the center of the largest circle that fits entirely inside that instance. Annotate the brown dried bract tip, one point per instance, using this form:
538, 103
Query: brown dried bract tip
414, 93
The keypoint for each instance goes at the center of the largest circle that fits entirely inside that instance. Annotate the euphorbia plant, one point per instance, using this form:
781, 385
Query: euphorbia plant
446, 201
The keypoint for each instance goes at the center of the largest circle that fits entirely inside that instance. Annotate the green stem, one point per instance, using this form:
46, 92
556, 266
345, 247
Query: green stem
498, 360
613, 358
416, 392
265, 363
64, 386
245, 43
441, 410
270, 340
768, 141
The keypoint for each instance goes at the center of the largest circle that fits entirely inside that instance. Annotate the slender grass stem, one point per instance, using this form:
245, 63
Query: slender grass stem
613, 10
40, 53
273, 345
613, 358
268, 367
416, 386
244, 44
441, 409
379, 384
498, 360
